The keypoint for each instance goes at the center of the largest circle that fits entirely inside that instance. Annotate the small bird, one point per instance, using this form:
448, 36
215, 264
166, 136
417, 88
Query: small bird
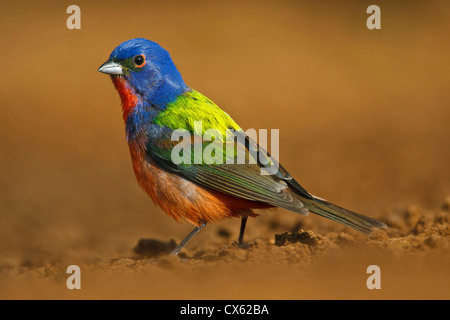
155, 103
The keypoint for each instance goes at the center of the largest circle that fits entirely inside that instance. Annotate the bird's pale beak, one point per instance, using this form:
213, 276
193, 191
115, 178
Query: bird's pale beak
110, 67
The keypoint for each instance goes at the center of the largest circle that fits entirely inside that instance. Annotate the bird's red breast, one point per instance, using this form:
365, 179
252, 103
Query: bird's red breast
127, 96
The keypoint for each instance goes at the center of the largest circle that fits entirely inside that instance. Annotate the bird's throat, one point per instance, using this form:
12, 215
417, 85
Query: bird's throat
127, 95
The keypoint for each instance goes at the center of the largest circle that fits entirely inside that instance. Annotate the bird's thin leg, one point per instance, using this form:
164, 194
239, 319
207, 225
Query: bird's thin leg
184, 242
241, 232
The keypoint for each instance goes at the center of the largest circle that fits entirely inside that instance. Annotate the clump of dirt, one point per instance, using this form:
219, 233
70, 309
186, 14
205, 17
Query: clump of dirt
306, 237
154, 247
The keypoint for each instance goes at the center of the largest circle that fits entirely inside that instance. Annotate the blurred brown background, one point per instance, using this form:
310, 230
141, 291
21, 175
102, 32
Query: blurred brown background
363, 114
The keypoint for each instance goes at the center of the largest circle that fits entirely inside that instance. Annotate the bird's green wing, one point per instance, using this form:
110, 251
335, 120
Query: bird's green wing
239, 180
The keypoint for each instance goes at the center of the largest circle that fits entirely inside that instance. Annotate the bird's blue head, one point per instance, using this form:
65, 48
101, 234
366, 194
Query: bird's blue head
143, 71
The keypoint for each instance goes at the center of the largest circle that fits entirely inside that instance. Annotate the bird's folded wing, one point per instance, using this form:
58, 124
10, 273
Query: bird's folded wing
240, 180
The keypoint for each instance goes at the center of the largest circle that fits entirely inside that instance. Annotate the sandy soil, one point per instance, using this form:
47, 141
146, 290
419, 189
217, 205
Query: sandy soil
363, 118
413, 256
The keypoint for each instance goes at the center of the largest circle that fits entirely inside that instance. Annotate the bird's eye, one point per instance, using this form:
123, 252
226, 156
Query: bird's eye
139, 61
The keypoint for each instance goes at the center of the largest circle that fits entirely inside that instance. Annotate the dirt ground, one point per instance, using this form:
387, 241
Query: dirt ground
363, 118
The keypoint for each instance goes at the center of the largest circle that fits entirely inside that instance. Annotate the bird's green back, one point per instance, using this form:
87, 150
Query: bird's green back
193, 106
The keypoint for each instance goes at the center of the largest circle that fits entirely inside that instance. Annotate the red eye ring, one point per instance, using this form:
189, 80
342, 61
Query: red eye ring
139, 61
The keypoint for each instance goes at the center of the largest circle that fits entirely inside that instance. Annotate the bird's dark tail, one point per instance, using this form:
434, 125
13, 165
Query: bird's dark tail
346, 217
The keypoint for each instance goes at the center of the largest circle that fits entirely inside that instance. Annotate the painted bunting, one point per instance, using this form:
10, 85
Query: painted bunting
156, 102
